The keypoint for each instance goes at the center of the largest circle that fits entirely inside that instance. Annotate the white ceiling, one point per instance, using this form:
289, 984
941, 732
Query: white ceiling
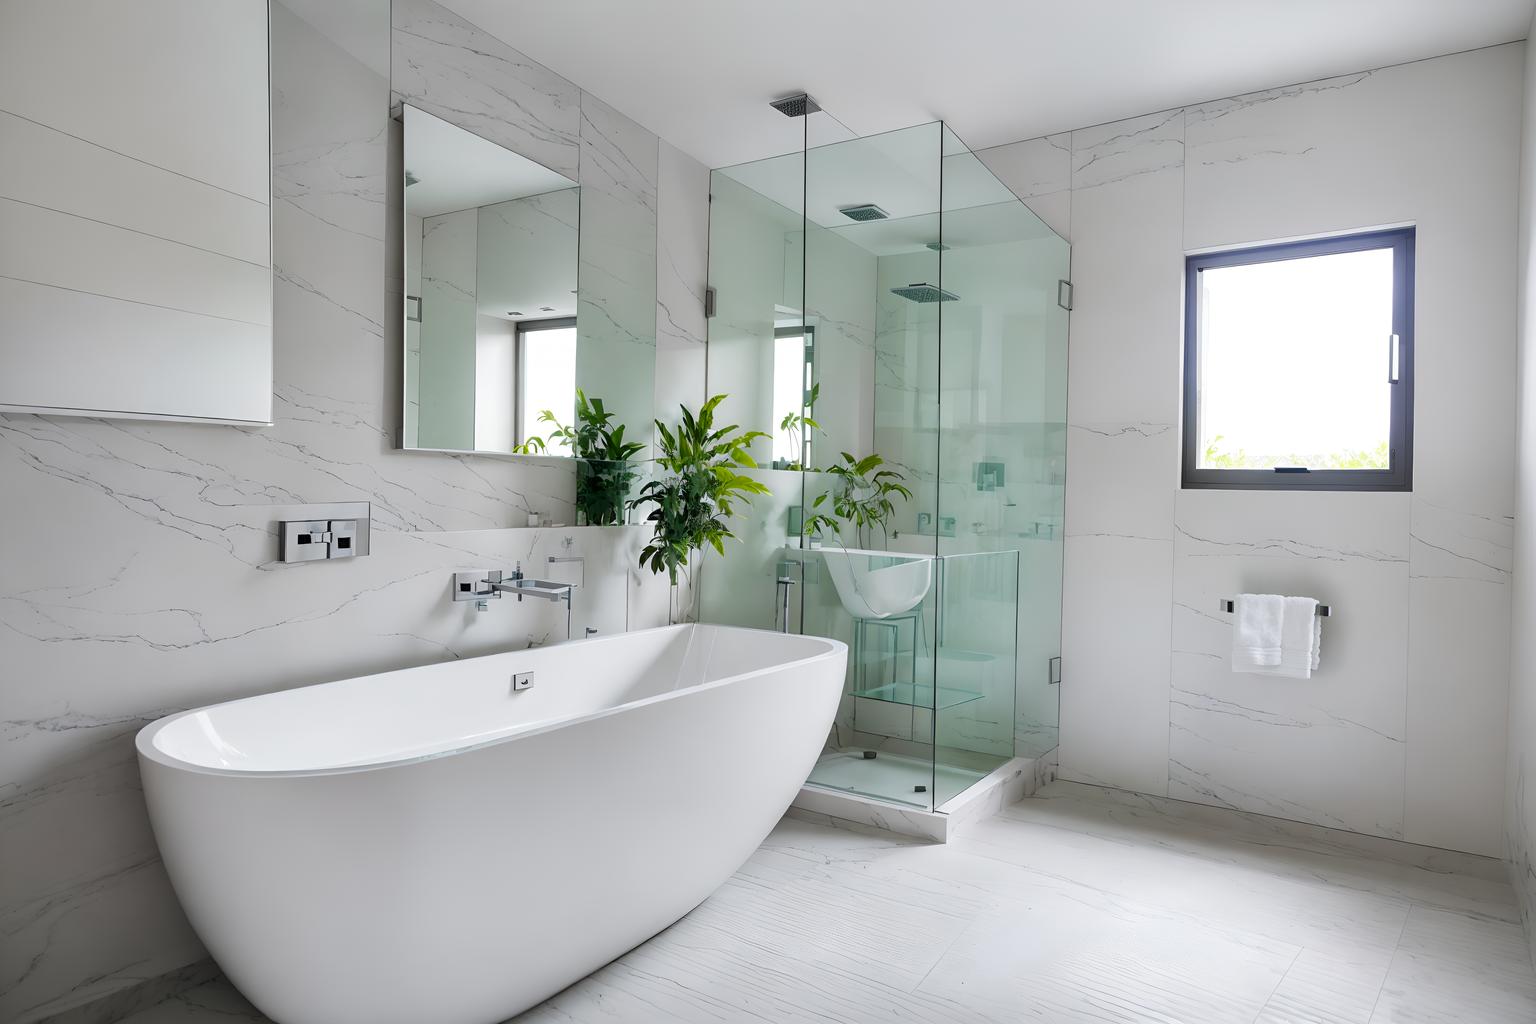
700, 73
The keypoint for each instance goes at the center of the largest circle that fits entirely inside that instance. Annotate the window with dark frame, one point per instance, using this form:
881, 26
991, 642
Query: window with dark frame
1298, 365
546, 378
794, 376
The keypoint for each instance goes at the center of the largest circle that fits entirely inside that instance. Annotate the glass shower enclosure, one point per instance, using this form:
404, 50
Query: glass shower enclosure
894, 319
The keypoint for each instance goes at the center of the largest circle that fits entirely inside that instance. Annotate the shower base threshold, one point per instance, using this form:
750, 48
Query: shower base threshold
1008, 783
912, 782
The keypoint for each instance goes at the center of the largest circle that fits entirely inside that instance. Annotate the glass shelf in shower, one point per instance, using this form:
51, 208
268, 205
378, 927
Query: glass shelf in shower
918, 696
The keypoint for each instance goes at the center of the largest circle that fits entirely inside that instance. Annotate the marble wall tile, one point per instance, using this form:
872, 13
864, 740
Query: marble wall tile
682, 274
448, 331
1328, 750
1039, 171
1122, 396
616, 312
1456, 715
141, 578
1460, 602
1302, 147
450, 68
1127, 230
1119, 151
1122, 479
1425, 681
1115, 622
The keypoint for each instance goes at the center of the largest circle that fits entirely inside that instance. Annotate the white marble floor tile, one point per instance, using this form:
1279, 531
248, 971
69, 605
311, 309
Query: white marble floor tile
211, 1001
1328, 988
1071, 958
1274, 846
1235, 895
1080, 904
1454, 967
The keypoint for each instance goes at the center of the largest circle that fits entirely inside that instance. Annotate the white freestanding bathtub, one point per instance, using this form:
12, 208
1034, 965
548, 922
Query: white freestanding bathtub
432, 845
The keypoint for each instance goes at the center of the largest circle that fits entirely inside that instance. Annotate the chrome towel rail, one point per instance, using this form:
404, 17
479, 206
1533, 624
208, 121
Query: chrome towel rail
1227, 605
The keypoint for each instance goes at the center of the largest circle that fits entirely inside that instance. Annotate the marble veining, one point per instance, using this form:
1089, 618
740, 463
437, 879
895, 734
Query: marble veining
1115, 153
1401, 733
116, 601
1080, 905
450, 68
1207, 112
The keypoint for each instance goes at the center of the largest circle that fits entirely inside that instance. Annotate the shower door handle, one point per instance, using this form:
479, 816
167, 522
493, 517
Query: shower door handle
1053, 671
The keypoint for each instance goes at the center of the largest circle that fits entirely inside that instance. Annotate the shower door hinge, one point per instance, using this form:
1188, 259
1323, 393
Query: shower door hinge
1064, 294
1053, 671
709, 302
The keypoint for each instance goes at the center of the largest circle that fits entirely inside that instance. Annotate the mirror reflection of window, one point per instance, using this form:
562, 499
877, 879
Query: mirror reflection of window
547, 353
491, 242
495, 377
791, 384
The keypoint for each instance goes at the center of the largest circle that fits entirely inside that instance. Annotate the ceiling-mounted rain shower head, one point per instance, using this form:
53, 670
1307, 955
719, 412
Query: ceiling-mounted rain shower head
922, 292
797, 105
862, 212
936, 246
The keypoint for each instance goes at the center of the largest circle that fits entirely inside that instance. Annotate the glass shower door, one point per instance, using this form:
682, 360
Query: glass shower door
872, 207
756, 337
887, 312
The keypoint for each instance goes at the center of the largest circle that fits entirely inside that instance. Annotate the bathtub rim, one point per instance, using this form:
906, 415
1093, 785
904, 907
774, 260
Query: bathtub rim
144, 740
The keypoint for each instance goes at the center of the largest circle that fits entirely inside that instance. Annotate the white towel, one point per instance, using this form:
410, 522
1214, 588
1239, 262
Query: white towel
1301, 641
1256, 631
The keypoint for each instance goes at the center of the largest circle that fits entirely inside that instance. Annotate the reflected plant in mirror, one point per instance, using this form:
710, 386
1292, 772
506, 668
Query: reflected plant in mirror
604, 472
693, 502
863, 498
797, 430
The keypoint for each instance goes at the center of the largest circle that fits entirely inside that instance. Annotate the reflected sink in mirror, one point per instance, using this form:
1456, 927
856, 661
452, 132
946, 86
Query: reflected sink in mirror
878, 584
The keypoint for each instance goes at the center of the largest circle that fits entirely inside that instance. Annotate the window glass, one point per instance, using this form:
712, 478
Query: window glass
1293, 367
1299, 365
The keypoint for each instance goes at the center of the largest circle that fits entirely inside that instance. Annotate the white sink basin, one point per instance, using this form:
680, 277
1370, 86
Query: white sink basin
878, 593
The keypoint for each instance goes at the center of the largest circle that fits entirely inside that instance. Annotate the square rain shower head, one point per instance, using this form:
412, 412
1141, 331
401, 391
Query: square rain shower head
798, 105
923, 292
862, 212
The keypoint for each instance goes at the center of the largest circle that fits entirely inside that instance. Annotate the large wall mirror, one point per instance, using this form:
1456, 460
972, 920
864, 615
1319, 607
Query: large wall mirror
491, 339
135, 210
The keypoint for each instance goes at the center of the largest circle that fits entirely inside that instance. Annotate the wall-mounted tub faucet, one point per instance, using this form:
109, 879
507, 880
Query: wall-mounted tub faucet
484, 585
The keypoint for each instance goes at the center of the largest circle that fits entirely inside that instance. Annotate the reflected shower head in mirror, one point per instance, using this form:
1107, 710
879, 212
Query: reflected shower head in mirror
923, 292
863, 212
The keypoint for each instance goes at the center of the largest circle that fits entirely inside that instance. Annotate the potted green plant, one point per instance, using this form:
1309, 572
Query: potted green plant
693, 498
862, 496
604, 474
